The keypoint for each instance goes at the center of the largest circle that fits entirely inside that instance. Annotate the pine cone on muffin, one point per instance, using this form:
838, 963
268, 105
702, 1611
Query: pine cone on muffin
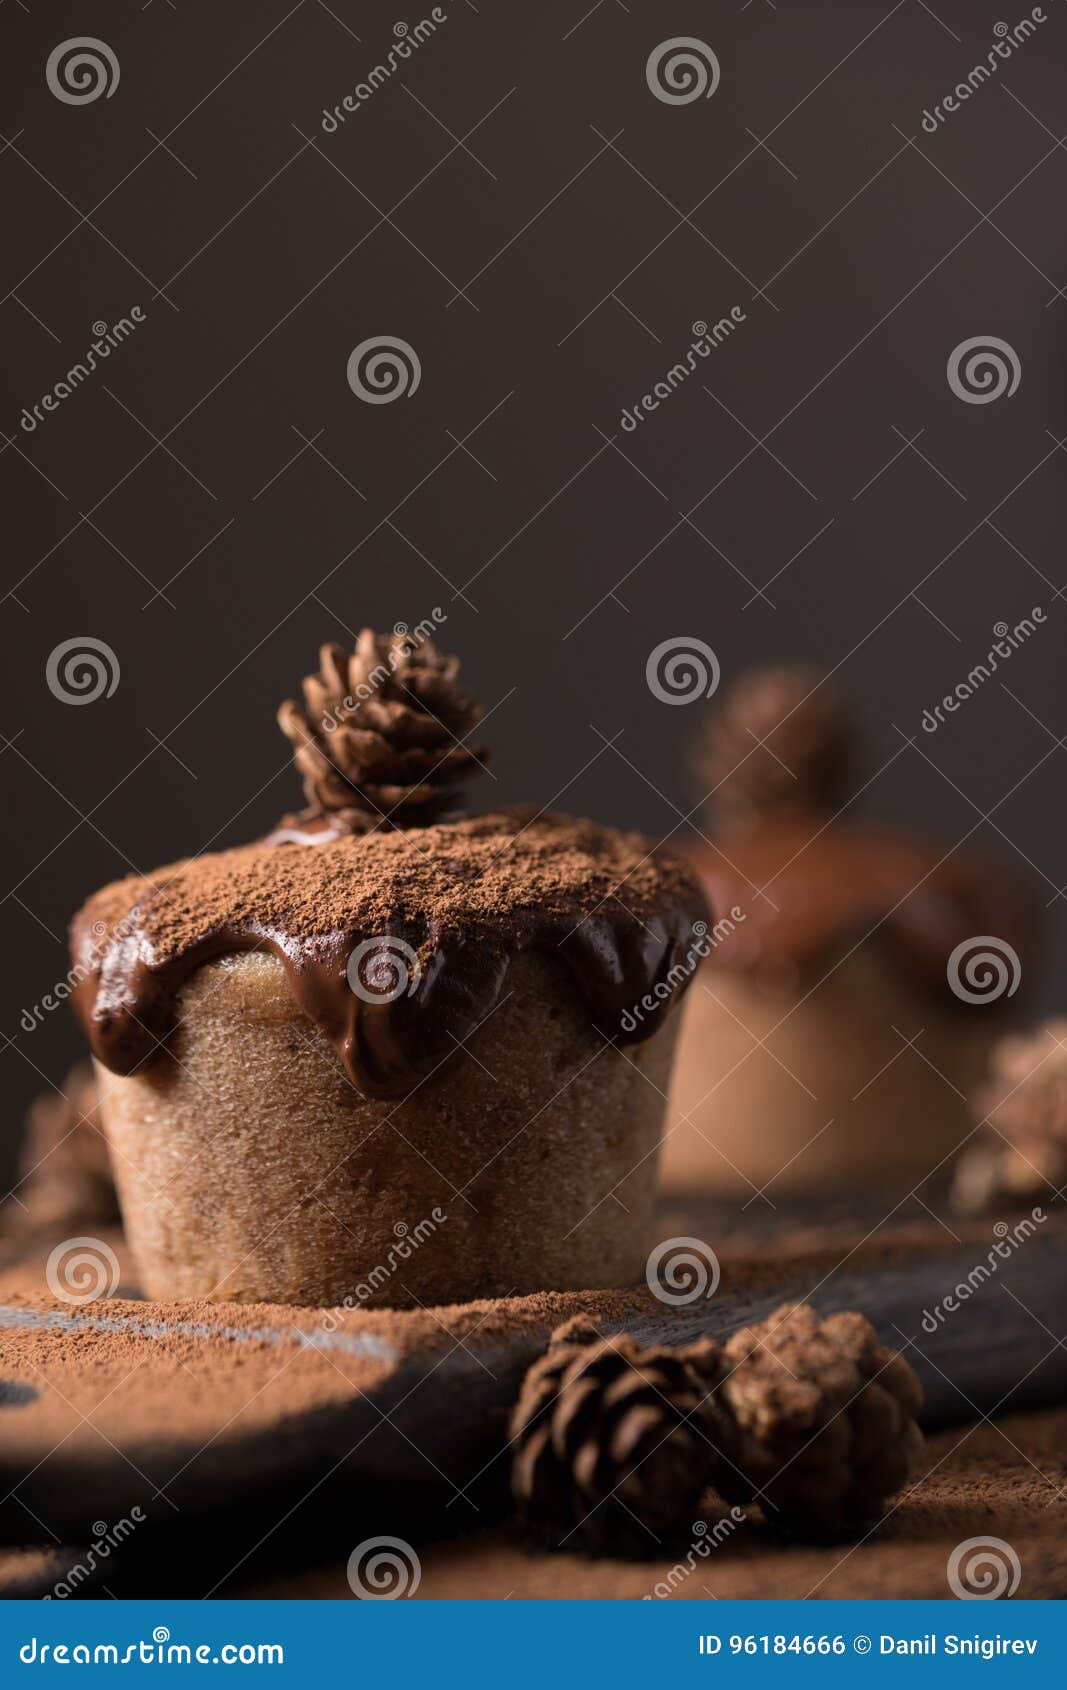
1020, 1156
780, 741
381, 736
813, 1418
64, 1167
609, 1456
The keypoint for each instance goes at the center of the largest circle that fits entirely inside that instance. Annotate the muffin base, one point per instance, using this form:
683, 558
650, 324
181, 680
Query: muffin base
250, 1169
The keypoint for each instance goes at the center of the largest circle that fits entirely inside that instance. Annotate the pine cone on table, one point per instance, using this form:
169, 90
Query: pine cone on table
381, 737
1020, 1156
609, 1455
814, 1418
780, 741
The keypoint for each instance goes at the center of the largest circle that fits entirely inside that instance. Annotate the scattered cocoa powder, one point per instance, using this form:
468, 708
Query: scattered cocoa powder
988, 1478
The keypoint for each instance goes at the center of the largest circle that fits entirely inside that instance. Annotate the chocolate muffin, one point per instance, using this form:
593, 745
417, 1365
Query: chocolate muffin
854, 977
376, 1060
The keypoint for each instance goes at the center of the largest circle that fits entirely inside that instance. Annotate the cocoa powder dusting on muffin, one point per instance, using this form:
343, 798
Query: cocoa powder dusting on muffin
456, 900
487, 873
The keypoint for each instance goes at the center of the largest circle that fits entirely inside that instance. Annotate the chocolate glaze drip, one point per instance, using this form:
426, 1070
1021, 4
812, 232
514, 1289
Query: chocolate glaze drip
441, 920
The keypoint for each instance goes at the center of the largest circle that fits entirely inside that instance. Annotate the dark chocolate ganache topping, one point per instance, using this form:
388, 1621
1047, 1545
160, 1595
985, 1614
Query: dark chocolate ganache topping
397, 944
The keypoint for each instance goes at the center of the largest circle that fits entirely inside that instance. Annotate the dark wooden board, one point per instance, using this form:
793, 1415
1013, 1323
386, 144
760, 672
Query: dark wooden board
398, 1423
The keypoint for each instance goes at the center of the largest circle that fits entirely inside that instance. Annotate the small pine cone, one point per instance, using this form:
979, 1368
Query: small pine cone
64, 1167
381, 735
609, 1455
780, 741
814, 1418
1021, 1156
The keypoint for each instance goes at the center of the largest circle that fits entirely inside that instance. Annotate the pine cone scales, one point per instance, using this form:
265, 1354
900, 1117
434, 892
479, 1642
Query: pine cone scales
607, 1456
1020, 1156
382, 729
615, 1445
780, 741
816, 1418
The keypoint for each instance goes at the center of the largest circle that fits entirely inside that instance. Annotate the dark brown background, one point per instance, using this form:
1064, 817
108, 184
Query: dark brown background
183, 518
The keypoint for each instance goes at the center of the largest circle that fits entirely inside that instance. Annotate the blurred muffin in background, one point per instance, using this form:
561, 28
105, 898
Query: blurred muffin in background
855, 975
